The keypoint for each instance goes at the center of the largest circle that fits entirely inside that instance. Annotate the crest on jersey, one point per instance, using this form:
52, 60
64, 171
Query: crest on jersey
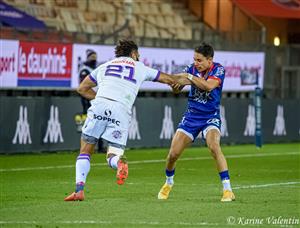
220, 71
117, 134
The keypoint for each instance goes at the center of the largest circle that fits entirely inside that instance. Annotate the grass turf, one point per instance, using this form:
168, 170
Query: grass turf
266, 182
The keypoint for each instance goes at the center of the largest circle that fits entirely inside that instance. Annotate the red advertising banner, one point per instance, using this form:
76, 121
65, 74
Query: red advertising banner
44, 64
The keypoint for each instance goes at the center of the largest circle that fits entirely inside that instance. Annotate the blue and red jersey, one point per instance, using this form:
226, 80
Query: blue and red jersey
206, 102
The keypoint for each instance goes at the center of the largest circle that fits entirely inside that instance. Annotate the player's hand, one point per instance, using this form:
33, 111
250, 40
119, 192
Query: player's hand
176, 88
182, 79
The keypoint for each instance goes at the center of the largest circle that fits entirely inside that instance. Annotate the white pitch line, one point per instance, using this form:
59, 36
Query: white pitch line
110, 222
266, 185
153, 161
212, 185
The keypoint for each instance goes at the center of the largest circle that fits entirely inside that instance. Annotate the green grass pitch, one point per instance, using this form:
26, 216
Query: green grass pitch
266, 183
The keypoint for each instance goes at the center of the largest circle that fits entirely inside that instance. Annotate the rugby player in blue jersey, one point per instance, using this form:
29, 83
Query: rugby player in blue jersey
202, 116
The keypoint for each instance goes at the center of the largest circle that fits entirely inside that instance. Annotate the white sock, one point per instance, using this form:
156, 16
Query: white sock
82, 167
170, 180
113, 161
226, 185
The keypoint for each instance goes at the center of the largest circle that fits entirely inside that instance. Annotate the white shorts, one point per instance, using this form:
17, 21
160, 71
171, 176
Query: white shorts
109, 120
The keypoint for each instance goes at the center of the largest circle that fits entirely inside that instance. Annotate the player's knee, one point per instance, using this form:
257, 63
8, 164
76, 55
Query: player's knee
214, 149
87, 149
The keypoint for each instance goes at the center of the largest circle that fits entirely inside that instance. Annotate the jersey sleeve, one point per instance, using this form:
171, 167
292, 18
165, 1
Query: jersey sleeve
93, 75
218, 74
151, 74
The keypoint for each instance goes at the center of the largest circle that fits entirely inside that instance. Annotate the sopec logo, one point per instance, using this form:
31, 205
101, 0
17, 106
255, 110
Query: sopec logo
167, 130
250, 122
133, 131
107, 118
22, 134
107, 112
279, 127
53, 133
224, 130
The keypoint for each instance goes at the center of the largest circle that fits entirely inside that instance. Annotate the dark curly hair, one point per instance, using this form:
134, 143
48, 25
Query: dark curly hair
205, 49
125, 47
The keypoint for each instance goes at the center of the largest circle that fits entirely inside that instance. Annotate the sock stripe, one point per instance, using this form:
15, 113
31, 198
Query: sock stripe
224, 175
84, 158
84, 155
109, 161
79, 186
170, 173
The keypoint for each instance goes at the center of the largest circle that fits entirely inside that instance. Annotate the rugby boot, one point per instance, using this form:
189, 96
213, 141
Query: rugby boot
75, 196
122, 171
228, 196
164, 191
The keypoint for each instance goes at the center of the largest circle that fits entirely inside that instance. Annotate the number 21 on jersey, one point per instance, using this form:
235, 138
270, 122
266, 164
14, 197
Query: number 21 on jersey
119, 70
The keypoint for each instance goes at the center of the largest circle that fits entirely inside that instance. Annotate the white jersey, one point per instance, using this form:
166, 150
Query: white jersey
121, 78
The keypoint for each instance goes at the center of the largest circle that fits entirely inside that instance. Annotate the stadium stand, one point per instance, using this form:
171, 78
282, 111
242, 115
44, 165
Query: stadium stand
106, 16
152, 23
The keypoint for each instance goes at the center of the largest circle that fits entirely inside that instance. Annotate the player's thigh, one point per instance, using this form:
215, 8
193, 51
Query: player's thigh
179, 142
213, 136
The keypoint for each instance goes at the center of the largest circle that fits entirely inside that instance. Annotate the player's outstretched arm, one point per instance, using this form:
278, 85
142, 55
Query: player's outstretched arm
85, 88
180, 79
207, 85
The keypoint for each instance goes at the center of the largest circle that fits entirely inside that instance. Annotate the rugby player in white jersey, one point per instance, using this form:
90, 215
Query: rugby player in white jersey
109, 116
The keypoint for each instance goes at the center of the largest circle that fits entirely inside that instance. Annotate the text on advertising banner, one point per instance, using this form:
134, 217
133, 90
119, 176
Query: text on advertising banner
44, 64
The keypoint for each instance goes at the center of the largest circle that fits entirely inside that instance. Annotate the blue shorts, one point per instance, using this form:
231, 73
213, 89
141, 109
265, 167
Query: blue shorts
194, 122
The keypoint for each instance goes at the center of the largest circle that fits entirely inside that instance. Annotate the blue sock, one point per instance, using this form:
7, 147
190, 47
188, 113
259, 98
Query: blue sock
224, 175
79, 186
170, 177
225, 180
